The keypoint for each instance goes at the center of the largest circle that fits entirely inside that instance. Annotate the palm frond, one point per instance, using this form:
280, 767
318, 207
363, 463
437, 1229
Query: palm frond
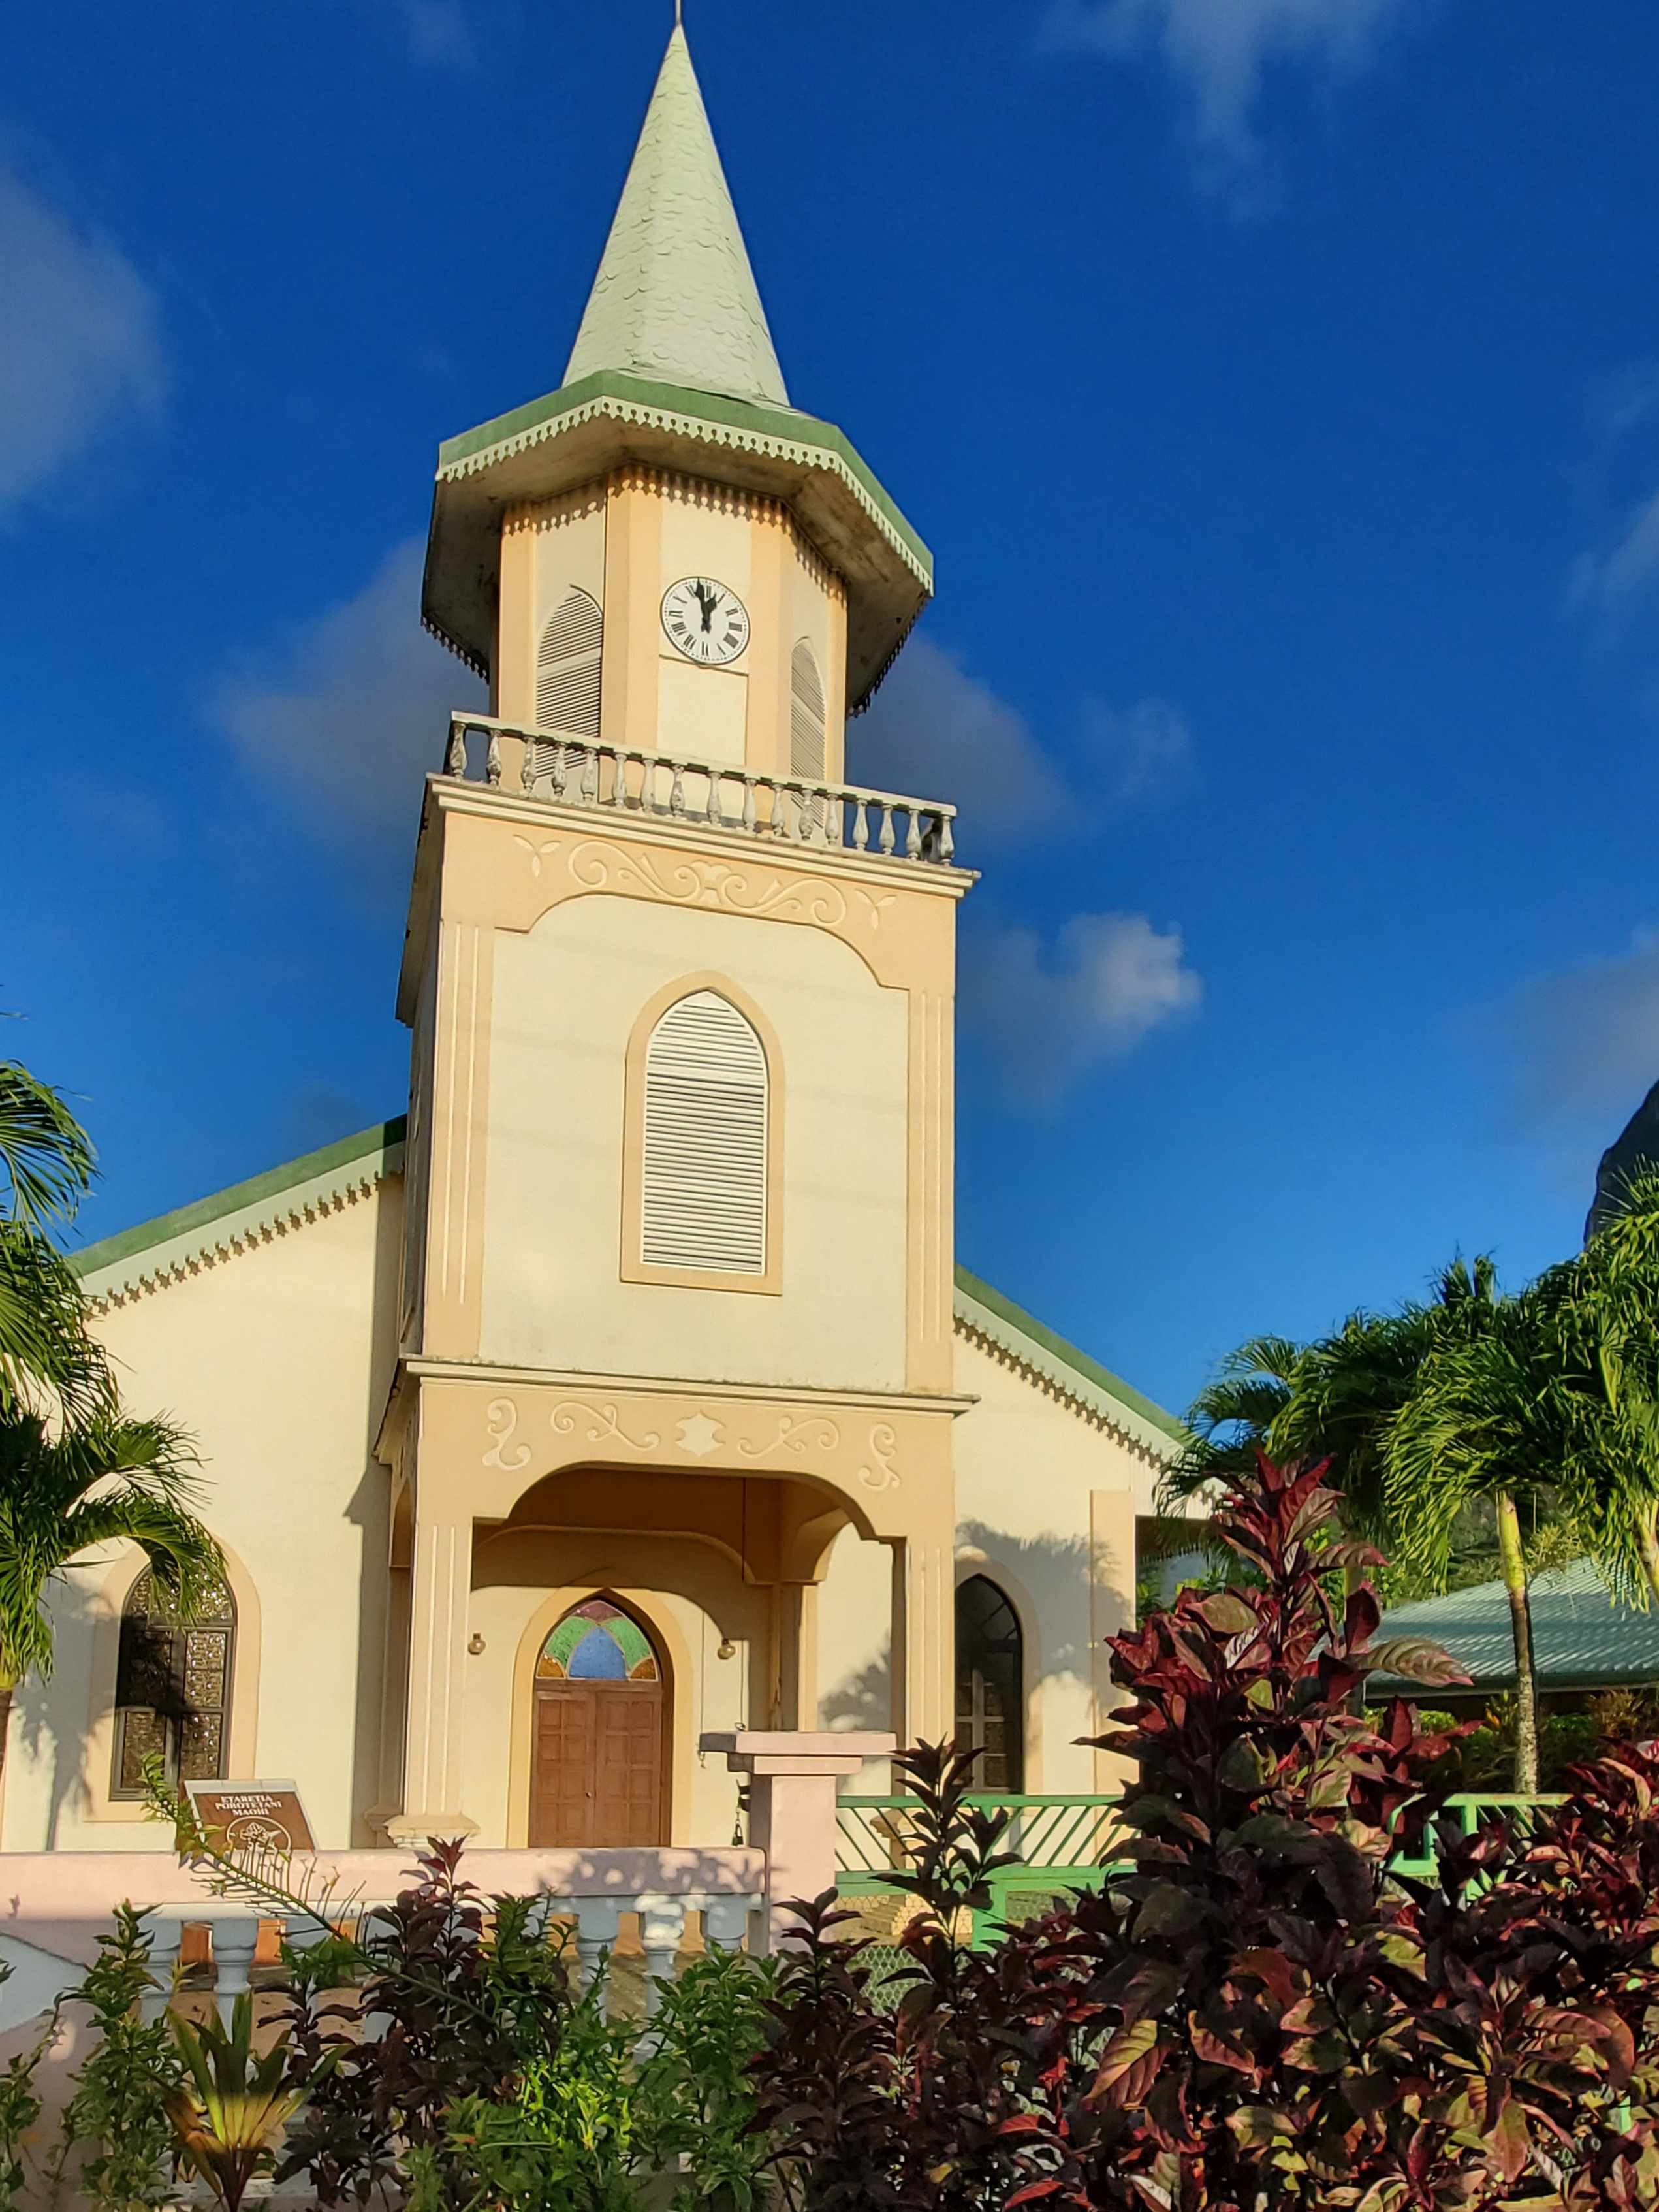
47, 1157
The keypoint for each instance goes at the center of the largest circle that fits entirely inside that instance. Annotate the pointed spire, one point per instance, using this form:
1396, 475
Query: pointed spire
676, 297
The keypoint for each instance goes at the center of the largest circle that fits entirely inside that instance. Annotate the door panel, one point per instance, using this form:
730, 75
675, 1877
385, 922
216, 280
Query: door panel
598, 1770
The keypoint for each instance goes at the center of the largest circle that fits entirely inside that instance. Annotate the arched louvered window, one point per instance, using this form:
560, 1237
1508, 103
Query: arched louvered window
703, 1176
567, 667
806, 715
173, 1688
991, 1686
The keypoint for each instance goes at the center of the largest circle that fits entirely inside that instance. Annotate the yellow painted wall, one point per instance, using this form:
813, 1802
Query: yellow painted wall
566, 998
277, 1360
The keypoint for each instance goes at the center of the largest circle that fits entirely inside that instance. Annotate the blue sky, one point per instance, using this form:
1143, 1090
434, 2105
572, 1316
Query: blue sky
1277, 382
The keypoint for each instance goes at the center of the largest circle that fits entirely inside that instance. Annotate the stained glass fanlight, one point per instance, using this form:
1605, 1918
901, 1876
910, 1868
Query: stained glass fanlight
597, 1642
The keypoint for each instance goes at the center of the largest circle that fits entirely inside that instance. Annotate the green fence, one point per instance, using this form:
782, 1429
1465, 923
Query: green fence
1063, 1844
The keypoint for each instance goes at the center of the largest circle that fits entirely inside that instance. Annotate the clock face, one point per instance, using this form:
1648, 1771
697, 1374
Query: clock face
705, 621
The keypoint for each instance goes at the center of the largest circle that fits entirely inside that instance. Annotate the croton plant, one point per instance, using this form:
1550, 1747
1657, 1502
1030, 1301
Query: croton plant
1256, 2010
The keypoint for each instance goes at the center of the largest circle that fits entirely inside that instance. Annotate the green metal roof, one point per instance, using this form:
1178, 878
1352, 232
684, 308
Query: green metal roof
1585, 1638
1063, 1363
151, 1249
676, 297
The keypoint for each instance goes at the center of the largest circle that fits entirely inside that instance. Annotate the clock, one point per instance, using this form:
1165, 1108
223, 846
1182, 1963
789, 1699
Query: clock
705, 621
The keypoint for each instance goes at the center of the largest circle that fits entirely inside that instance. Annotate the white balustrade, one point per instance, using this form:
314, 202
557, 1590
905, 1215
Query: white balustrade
673, 787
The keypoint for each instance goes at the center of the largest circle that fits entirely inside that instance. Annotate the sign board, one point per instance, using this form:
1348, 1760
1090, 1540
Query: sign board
250, 1816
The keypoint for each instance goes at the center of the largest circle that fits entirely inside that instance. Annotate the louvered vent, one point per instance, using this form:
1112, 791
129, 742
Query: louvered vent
806, 715
704, 1187
567, 668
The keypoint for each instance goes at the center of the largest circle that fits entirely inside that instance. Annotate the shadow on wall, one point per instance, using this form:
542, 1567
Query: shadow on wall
49, 1718
1053, 1576
863, 1701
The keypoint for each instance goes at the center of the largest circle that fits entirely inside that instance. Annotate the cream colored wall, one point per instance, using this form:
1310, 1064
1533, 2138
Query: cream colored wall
1045, 1503
855, 1647
691, 1597
276, 1360
566, 998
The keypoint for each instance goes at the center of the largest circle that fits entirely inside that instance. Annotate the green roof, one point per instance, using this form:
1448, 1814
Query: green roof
1585, 1638
676, 297
1002, 1321
152, 1249
329, 1169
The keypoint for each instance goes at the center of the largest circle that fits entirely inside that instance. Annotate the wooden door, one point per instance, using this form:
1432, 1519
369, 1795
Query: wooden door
597, 1775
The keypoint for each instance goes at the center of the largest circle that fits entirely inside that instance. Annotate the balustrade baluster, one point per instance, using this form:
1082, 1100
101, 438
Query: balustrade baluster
913, 834
455, 757
947, 841
751, 822
678, 790
860, 827
619, 789
589, 784
493, 762
559, 771
886, 840
713, 811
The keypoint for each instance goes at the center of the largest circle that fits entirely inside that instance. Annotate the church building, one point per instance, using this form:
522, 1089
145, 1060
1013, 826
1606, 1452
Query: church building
627, 1388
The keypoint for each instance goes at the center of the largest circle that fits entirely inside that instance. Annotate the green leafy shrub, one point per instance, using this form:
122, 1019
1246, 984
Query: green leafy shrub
20, 2104
116, 2132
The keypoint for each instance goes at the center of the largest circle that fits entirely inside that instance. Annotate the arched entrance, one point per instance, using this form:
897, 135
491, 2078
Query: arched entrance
598, 1754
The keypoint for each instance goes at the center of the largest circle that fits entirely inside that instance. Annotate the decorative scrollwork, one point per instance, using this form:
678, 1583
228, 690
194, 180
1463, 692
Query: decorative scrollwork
883, 1450
698, 882
502, 1416
796, 1438
597, 1424
537, 852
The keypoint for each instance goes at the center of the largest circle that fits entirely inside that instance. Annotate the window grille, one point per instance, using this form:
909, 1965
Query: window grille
173, 1688
567, 667
991, 1686
703, 1182
806, 715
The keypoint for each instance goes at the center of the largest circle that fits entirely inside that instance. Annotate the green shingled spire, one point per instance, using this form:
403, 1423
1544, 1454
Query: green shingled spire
676, 297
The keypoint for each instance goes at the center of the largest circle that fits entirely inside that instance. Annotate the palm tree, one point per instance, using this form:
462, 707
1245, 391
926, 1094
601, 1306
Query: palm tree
75, 1471
101, 1478
1488, 1422
46, 1166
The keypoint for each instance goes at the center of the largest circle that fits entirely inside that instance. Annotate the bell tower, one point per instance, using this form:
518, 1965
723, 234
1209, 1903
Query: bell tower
678, 1266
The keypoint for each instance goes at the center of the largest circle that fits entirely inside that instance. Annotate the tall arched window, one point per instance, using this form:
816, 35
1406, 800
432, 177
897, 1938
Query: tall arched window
173, 1688
702, 1171
806, 715
991, 1686
567, 667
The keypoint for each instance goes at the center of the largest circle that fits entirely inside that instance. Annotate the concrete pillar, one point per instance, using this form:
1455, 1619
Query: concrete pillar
923, 1637
792, 1790
441, 1588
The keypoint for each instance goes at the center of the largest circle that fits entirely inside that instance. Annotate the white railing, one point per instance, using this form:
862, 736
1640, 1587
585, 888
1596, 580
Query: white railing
673, 788
233, 1934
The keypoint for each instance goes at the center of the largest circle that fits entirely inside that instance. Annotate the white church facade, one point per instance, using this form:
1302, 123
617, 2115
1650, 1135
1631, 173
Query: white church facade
626, 1389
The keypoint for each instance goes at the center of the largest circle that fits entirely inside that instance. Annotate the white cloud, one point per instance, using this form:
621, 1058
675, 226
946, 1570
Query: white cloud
1585, 1040
80, 351
1614, 582
1049, 1022
935, 731
1222, 50
352, 715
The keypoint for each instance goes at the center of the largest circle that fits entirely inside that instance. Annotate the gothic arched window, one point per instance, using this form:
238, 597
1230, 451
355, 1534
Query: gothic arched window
991, 1686
702, 1200
567, 667
173, 1688
806, 715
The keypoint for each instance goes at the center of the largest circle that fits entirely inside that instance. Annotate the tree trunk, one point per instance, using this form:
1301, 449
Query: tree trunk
6, 1689
1648, 1544
1526, 1673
